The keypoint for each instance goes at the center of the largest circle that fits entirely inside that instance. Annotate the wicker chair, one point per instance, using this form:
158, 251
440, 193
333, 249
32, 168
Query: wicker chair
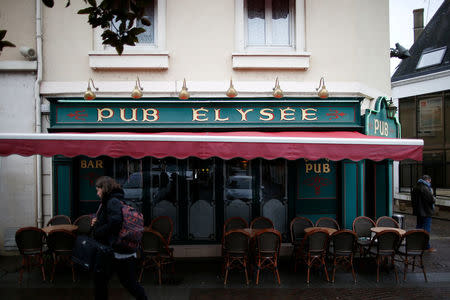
30, 241
416, 242
59, 220
236, 246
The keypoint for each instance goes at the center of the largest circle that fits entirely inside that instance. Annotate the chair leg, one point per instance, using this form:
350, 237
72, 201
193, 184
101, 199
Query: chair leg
395, 269
245, 270
423, 269
41, 260
325, 268
405, 268
378, 268
22, 269
73, 271
227, 265
334, 269
308, 264
353, 269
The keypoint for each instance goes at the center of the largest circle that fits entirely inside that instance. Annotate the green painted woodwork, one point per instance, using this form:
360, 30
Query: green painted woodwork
381, 189
62, 185
89, 169
361, 183
316, 189
378, 124
205, 113
350, 192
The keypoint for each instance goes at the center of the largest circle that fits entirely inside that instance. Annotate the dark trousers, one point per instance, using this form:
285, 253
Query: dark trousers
424, 223
126, 270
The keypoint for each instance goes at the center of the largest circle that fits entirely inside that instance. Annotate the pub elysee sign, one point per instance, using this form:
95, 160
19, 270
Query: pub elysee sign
202, 113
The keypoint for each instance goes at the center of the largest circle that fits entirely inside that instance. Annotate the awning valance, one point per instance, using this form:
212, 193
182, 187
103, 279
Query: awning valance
336, 145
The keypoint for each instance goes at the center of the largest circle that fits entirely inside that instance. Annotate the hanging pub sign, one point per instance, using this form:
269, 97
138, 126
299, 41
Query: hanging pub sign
379, 123
104, 113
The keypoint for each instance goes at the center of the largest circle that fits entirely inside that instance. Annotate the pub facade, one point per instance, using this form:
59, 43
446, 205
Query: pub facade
190, 149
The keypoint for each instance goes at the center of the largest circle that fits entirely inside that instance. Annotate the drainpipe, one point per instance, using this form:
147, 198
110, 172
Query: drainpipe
37, 101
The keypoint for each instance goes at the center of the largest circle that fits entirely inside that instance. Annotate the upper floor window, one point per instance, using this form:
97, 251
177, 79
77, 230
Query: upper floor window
269, 22
148, 53
148, 37
270, 34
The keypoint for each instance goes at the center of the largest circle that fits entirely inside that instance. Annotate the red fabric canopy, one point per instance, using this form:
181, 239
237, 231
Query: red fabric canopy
336, 145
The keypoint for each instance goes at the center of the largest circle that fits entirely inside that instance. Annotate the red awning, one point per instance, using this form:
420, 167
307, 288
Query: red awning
336, 145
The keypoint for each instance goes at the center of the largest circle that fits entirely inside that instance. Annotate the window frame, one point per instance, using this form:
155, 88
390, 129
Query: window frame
268, 28
141, 56
271, 57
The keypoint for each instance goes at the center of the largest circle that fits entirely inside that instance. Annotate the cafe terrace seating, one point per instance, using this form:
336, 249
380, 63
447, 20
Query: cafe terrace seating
344, 242
313, 250
60, 242
268, 244
386, 221
297, 226
416, 242
155, 253
261, 223
236, 251
84, 225
383, 246
327, 222
30, 241
59, 220
361, 226
164, 226
234, 223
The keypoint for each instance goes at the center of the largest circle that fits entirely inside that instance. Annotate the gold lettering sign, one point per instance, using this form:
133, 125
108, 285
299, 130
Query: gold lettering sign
317, 167
91, 164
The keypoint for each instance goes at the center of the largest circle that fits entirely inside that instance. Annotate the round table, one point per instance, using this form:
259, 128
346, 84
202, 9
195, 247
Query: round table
329, 230
380, 229
69, 227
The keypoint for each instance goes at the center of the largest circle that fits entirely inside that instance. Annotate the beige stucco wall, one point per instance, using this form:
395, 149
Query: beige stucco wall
18, 17
348, 41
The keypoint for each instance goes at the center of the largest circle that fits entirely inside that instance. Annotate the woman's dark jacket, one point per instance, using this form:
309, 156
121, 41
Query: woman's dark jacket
109, 219
422, 200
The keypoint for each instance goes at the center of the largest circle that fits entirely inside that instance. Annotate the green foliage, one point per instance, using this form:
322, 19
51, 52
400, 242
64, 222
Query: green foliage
4, 43
124, 13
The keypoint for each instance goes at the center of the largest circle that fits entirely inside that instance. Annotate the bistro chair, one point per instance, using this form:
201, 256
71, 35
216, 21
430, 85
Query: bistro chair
297, 226
386, 221
313, 250
416, 242
59, 220
60, 242
30, 241
155, 253
384, 245
236, 246
327, 222
268, 243
344, 242
261, 223
164, 226
234, 223
361, 226
84, 225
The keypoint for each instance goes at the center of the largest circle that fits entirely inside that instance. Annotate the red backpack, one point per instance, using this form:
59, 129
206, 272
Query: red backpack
130, 234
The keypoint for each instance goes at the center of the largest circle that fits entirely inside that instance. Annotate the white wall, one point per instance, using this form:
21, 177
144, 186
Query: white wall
17, 180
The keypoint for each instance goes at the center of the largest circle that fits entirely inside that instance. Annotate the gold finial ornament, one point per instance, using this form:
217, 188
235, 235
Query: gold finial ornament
277, 92
323, 93
89, 94
231, 92
184, 94
137, 91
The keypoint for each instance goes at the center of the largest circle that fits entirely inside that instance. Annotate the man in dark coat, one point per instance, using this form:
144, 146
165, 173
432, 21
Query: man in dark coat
423, 203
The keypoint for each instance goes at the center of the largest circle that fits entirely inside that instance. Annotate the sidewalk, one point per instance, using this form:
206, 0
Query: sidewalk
200, 279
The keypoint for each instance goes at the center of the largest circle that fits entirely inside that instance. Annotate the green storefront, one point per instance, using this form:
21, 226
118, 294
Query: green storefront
199, 192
